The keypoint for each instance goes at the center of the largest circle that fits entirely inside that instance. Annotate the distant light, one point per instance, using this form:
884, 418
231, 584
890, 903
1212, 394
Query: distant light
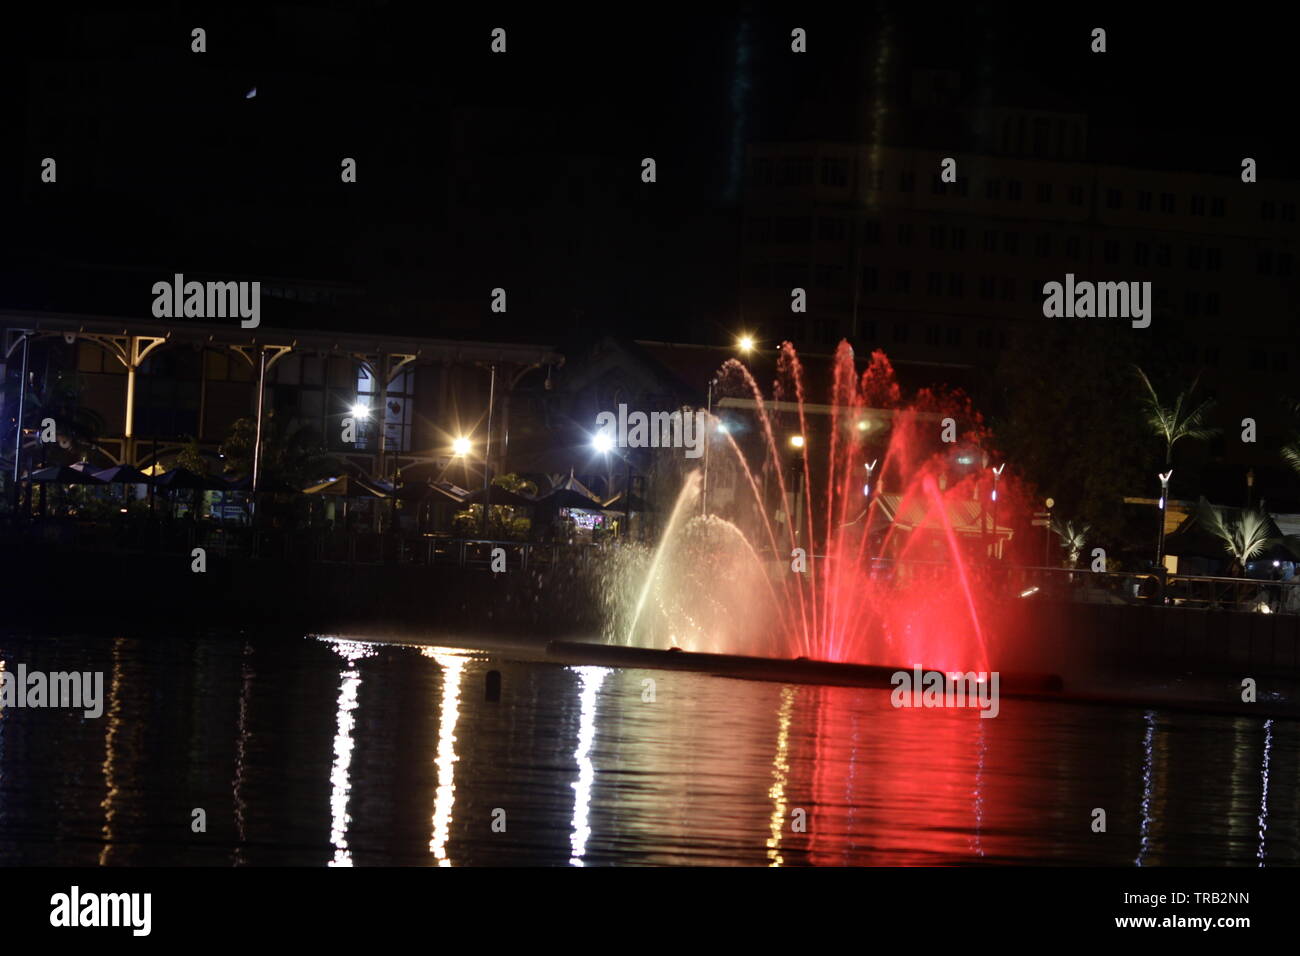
1277, 564
251, 93
745, 343
995, 494
964, 459
796, 441
866, 489
1028, 591
360, 410
602, 442
461, 446
722, 427
862, 425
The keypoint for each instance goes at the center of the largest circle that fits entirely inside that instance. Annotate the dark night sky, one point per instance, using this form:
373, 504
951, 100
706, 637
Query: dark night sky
165, 164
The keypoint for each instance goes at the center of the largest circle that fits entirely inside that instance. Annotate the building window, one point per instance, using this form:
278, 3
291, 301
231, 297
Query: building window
1213, 259
1013, 189
903, 281
932, 335
870, 279
1198, 205
1216, 206
937, 185
1284, 263
1211, 303
901, 332
1288, 212
1043, 245
1044, 192
988, 287
1010, 241
934, 283
906, 181
830, 230
954, 336
1162, 254
1114, 199
958, 238
1144, 200
1072, 248
1141, 254
1191, 303
1076, 195
990, 241
1194, 257
993, 189
937, 236
1267, 210
871, 232
1009, 290
1167, 203
834, 172
955, 284
1265, 264
904, 233
763, 172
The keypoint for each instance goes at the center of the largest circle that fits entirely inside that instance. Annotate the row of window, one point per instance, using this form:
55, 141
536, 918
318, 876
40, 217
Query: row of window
794, 230
951, 284
799, 171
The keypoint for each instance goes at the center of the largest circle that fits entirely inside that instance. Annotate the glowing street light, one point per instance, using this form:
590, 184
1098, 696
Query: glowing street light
461, 446
360, 410
602, 443
745, 343
866, 489
1164, 495
796, 441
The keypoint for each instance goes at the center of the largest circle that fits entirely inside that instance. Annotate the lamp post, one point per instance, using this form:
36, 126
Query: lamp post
1047, 537
1164, 500
997, 541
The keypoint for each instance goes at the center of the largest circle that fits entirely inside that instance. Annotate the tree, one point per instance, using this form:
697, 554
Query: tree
503, 523
1177, 421
1073, 535
77, 428
1062, 416
1243, 538
293, 454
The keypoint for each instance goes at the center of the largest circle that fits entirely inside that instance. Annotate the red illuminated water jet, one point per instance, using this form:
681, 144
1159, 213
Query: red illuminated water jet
876, 528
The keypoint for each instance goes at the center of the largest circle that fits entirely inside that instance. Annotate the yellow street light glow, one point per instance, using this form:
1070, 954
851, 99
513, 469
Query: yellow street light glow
796, 441
745, 343
461, 446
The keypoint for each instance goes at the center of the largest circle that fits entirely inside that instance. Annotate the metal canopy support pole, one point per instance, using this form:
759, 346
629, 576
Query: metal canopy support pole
487, 448
18, 437
257, 437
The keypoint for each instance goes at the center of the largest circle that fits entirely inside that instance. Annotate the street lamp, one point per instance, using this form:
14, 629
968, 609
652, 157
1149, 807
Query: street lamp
745, 343
866, 489
796, 441
997, 474
460, 447
1164, 497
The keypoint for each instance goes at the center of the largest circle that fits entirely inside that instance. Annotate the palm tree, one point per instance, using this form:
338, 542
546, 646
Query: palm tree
1073, 537
1291, 450
1243, 538
1179, 420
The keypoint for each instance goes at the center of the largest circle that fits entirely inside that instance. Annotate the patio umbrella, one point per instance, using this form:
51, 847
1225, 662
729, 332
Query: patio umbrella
346, 486
499, 496
123, 475
573, 500
63, 475
183, 479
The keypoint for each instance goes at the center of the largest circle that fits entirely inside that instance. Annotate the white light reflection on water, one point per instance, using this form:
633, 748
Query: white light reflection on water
1263, 797
453, 666
591, 678
340, 778
780, 776
1148, 771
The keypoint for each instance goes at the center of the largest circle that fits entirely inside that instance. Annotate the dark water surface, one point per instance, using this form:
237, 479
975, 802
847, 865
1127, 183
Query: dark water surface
332, 752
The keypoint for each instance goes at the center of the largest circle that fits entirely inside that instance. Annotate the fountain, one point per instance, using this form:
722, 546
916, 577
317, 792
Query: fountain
862, 541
